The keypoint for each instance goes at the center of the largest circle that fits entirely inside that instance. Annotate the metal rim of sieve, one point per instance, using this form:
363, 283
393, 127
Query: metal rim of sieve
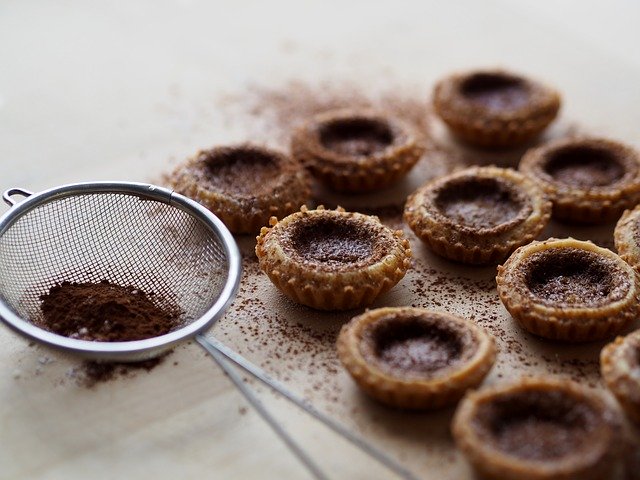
138, 348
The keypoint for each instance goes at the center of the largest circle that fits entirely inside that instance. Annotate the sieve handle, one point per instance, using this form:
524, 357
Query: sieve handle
6, 196
311, 466
213, 345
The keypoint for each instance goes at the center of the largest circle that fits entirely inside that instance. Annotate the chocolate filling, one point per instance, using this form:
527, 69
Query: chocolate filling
414, 345
356, 137
479, 202
584, 166
570, 277
537, 425
495, 91
241, 170
335, 242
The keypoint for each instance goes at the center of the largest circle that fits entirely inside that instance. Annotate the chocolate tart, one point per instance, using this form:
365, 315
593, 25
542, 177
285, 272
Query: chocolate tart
357, 150
495, 108
565, 289
415, 358
537, 429
589, 180
244, 185
627, 237
620, 366
332, 259
478, 215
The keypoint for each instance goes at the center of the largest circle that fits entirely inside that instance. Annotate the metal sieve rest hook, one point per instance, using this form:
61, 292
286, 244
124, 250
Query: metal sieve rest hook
6, 196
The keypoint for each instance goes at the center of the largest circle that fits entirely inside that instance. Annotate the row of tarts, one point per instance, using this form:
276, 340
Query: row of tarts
559, 289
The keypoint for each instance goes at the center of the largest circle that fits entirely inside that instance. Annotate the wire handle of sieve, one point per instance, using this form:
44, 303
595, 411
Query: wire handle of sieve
250, 396
211, 344
6, 196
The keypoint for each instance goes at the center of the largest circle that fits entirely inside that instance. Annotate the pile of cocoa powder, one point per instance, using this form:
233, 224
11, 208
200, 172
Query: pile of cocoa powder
105, 312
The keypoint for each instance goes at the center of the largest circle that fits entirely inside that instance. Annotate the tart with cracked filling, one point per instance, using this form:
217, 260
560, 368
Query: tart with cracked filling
620, 367
357, 150
244, 185
415, 358
589, 180
495, 108
627, 237
332, 259
478, 215
537, 429
570, 290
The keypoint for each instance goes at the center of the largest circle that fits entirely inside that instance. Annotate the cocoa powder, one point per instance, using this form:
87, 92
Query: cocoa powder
270, 114
106, 312
90, 373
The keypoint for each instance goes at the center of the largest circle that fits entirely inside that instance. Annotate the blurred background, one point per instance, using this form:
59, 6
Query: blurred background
106, 89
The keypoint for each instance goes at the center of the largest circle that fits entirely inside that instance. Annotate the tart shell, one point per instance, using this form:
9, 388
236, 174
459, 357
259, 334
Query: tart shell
476, 246
620, 367
334, 289
357, 173
627, 235
414, 391
593, 204
495, 128
595, 460
571, 324
284, 190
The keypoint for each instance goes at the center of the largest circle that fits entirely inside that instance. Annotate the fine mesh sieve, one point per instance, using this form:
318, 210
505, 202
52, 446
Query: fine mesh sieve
155, 240
126, 233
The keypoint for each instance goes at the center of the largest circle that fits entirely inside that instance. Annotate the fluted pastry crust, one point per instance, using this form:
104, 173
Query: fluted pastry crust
332, 259
244, 185
589, 180
412, 378
511, 212
570, 290
627, 237
581, 432
620, 367
357, 150
495, 108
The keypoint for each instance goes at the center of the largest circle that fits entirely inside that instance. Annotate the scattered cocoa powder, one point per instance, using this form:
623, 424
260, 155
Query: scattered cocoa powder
297, 345
91, 373
276, 111
105, 312
306, 352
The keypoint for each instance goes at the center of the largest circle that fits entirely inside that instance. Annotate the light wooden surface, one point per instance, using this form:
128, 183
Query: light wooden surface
90, 91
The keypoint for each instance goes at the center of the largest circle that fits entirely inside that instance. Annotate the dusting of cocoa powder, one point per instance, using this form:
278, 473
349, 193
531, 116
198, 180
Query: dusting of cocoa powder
91, 373
106, 312
275, 111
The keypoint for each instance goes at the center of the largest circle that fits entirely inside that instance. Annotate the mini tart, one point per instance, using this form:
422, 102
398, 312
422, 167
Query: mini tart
537, 429
627, 237
495, 108
415, 358
589, 180
332, 259
478, 215
244, 185
357, 150
569, 290
620, 367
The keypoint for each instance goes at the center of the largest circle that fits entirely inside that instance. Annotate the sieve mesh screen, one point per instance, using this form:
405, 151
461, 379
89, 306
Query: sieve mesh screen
122, 238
